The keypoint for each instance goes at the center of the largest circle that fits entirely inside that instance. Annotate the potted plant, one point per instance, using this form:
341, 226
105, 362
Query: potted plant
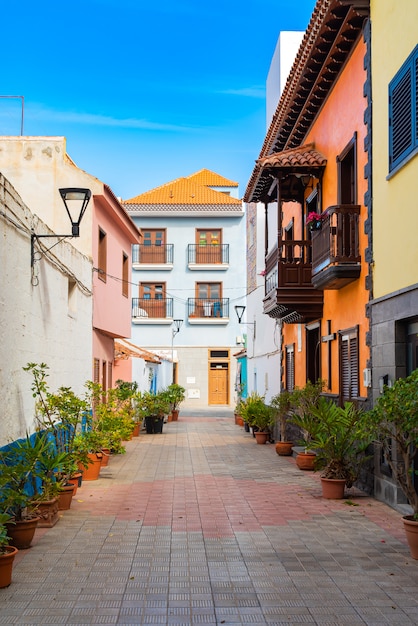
127, 390
340, 441
314, 221
18, 467
88, 447
282, 406
7, 553
153, 407
304, 399
259, 415
176, 394
393, 422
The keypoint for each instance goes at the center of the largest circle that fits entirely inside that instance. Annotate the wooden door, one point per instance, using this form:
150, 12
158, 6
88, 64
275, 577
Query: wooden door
153, 248
153, 295
218, 383
208, 249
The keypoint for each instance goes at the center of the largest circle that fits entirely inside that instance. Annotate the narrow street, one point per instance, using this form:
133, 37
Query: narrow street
200, 525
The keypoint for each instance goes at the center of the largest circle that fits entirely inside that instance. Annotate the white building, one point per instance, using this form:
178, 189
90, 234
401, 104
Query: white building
45, 313
191, 267
264, 349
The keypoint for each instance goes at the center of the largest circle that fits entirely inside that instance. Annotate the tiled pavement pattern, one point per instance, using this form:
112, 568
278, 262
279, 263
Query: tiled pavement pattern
200, 525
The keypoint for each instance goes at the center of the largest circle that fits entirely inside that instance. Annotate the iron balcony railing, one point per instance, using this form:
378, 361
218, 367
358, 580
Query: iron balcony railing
152, 307
152, 254
208, 307
337, 241
210, 254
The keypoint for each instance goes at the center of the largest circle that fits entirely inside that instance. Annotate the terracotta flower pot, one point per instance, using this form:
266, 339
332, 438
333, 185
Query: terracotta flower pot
22, 532
6, 566
333, 488
105, 457
137, 428
92, 470
261, 437
411, 531
306, 461
284, 448
48, 512
174, 415
65, 497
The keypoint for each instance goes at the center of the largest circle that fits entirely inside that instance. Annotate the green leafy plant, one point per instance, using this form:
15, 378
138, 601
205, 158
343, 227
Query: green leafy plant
175, 395
394, 423
282, 406
303, 401
340, 440
153, 404
257, 413
4, 538
19, 473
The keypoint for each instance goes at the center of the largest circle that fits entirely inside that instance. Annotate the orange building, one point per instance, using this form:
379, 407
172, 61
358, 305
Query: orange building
312, 178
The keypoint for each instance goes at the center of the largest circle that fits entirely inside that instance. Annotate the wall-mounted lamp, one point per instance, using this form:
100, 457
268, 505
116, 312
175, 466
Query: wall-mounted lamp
176, 329
75, 202
177, 325
239, 310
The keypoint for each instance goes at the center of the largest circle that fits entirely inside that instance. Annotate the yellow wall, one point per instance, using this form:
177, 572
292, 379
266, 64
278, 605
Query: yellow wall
395, 206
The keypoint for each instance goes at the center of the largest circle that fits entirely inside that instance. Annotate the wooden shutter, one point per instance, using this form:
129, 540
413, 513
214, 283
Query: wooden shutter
349, 365
403, 111
290, 368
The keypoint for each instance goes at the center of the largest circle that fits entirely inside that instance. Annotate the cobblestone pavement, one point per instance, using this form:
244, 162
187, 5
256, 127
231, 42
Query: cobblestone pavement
200, 525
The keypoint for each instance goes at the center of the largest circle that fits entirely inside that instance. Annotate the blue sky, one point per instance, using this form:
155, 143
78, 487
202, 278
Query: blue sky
145, 92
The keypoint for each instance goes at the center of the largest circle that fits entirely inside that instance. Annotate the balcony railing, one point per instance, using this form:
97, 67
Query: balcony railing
335, 248
152, 308
208, 308
210, 254
289, 292
145, 254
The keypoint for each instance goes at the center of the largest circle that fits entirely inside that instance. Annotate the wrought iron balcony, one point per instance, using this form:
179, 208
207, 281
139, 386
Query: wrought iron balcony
154, 308
145, 254
208, 309
289, 292
335, 248
210, 254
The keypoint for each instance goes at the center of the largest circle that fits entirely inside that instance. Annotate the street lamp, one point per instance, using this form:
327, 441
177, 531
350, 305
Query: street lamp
239, 310
176, 329
75, 202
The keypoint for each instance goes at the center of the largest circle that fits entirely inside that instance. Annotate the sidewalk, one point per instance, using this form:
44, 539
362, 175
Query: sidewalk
200, 525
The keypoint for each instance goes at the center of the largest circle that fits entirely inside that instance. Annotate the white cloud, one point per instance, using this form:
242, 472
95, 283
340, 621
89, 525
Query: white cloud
247, 92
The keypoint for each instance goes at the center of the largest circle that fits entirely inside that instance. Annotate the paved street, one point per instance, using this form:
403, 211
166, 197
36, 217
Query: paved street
200, 525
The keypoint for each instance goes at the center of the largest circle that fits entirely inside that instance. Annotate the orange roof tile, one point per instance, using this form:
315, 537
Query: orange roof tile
211, 179
183, 191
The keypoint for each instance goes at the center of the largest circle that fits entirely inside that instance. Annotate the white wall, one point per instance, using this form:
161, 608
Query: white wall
39, 320
284, 54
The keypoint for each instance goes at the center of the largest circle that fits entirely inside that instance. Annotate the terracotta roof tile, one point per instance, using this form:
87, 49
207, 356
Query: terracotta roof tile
183, 191
304, 156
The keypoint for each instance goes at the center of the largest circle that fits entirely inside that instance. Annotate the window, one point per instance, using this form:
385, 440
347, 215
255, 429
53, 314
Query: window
102, 260
209, 299
349, 365
125, 275
403, 111
347, 179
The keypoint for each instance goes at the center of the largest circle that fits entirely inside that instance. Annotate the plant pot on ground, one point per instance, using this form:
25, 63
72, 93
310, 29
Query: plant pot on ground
259, 415
393, 423
175, 395
19, 470
7, 553
340, 441
282, 407
153, 407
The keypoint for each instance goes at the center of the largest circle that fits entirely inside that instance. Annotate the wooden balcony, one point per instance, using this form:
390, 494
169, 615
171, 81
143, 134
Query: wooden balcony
335, 248
289, 290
